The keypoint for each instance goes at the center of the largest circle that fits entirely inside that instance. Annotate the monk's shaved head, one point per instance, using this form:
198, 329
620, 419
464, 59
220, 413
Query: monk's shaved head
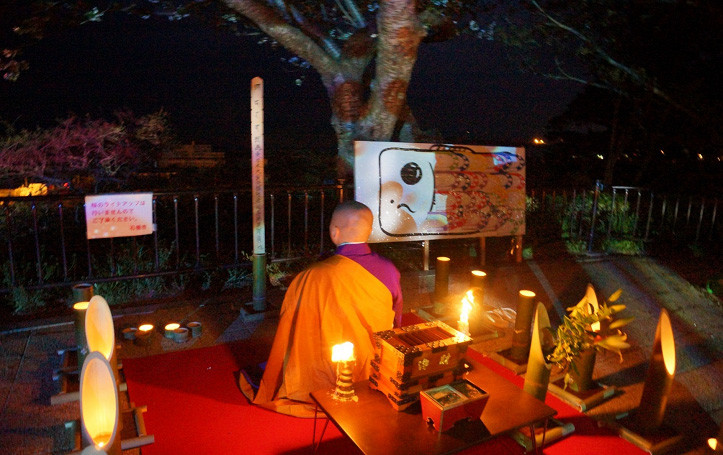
350, 222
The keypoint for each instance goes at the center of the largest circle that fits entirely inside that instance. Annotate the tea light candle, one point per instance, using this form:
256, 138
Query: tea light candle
143, 334
169, 328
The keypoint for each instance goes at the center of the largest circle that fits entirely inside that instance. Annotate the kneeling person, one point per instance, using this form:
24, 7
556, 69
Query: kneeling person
346, 297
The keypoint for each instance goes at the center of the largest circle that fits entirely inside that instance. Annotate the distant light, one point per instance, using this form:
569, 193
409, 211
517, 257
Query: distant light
700, 156
662, 152
538, 141
600, 157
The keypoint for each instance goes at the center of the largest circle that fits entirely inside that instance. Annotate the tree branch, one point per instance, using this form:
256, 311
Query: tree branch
634, 75
292, 38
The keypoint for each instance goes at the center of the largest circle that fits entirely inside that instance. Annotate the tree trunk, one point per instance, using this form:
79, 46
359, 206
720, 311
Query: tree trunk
398, 35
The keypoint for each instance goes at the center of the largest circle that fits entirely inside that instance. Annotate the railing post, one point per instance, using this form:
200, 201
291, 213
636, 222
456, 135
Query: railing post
591, 237
321, 221
650, 216
178, 240
700, 220
306, 221
273, 225
157, 262
712, 220
235, 228
198, 235
340, 188
62, 241
9, 224
39, 264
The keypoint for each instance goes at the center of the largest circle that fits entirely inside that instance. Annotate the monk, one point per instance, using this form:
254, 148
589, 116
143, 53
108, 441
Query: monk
347, 297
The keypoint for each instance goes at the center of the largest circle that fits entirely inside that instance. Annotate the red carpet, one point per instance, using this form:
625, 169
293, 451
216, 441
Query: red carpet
195, 407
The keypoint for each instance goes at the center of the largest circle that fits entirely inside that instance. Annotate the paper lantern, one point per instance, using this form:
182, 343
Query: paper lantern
99, 331
537, 376
79, 309
523, 321
99, 405
659, 379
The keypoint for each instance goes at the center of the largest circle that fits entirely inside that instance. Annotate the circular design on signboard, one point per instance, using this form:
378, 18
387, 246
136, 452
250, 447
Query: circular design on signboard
411, 173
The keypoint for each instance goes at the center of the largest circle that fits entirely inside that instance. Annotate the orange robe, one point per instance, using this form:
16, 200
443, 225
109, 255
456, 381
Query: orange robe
331, 302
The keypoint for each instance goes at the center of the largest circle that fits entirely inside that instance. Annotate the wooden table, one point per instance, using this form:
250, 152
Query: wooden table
376, 428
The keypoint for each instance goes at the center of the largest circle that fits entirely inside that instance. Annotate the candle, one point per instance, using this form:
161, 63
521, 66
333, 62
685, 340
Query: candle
343, 355
143, 335
170, 328
441, 279
523, 321
467, 305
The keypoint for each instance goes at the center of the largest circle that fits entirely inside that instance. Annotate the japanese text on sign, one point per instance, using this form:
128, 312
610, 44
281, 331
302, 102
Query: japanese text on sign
119, 215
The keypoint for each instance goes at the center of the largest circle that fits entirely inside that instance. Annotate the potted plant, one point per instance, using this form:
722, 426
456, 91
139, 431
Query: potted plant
588, 328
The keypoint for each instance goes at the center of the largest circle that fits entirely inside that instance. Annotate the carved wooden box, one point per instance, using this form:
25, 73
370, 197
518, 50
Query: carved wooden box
419, 350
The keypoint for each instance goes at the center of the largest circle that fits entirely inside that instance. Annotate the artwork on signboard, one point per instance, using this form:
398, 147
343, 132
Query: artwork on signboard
427, 191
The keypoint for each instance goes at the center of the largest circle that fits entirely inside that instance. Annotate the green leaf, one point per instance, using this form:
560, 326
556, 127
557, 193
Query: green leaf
617, 308
616, 324
615, 295
614, 342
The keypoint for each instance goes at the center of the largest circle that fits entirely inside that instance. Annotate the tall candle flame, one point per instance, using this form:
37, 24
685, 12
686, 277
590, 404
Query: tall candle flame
342, 352
467, 302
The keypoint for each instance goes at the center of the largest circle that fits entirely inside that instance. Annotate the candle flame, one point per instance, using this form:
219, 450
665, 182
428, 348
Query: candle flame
172, 326
81, 305
145, 327
342, 352
467, 305
712, 443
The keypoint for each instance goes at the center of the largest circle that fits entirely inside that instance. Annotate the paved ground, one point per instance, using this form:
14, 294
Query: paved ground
28, 354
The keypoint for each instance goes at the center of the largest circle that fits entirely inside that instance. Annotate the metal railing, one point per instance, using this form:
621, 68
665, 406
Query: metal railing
45, 245
602, 215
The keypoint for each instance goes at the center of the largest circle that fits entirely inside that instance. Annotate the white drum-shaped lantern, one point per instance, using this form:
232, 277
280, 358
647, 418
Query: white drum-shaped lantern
99, 407
99, 332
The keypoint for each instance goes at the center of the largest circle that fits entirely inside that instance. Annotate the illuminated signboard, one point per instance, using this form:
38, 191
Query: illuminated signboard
119, 215
433, 191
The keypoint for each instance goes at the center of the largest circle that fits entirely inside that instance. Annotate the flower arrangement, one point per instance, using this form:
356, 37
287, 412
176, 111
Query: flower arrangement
589, 326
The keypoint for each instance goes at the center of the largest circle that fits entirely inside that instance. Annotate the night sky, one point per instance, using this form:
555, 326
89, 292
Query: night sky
201, 77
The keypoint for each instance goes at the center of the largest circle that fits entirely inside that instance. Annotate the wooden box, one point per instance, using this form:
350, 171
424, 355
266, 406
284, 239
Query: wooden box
446, 405
403, 394
420, 350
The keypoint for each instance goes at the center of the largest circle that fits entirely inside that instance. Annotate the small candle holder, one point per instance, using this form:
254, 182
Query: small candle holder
181, 335
343, 355
143, 335
170, 328
196, 328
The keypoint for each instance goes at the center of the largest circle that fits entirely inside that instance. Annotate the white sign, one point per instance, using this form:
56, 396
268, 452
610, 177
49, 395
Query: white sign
434, 191
119, 215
